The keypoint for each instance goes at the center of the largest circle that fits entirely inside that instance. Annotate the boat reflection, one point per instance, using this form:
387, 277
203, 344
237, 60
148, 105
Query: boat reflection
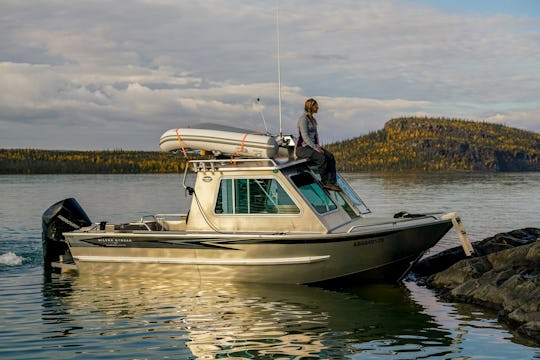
212, 320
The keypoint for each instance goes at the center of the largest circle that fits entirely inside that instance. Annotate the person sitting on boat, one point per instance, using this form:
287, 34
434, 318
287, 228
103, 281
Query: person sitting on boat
307, 146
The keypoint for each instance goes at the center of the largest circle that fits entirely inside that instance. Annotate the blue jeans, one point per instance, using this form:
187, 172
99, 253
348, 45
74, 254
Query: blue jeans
325, 163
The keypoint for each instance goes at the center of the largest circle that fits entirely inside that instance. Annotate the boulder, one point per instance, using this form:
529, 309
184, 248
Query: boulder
504, 275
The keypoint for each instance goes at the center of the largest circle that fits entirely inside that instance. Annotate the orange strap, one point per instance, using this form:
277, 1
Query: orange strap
181, 143
233, 159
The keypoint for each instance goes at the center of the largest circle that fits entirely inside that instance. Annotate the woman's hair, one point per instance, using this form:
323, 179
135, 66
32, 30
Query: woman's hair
308, 107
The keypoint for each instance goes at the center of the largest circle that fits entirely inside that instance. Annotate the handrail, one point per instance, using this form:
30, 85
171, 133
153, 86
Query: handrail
393, 222
170, 215
214, 165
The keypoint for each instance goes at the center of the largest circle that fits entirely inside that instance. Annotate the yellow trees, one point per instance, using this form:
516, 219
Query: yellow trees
440, 144
412, 143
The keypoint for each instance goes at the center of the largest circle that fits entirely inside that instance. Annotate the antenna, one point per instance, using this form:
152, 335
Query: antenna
262, 115
279, 72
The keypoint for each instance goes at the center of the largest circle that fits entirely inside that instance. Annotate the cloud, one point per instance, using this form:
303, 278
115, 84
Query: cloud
123, 73
525, 118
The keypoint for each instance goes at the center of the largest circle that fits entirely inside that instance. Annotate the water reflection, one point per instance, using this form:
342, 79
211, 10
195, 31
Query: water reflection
135, 316
76, 317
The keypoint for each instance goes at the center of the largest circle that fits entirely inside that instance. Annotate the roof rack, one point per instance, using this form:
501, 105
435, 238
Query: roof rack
231, 164
240, 164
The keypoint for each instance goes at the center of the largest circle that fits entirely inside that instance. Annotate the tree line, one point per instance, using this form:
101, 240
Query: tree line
409, 143
426, 144
34, 161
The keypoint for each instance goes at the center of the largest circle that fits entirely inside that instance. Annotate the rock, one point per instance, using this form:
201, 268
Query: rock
499, 242
504, 276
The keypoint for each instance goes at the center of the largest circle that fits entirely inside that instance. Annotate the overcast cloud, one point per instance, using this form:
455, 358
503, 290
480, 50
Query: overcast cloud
117, 74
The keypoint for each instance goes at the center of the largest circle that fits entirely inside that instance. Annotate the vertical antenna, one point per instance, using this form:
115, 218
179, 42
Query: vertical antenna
278, 71
262, 116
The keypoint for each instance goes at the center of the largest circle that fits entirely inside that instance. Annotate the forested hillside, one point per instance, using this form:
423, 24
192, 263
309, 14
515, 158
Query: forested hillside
404, 144
440, 144
31, 161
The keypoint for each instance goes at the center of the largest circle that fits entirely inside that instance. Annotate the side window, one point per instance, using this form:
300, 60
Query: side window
253, 196
313, 193
224, 204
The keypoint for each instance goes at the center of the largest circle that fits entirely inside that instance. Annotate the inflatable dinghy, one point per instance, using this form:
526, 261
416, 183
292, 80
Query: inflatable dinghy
247, 144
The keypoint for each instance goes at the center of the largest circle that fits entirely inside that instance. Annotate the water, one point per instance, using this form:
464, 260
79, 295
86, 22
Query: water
88, 317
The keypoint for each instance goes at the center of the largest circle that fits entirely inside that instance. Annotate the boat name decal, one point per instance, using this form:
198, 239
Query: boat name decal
118, 242
368, 242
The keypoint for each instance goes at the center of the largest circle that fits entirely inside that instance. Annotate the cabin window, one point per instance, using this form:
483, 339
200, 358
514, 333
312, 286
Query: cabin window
254, 196
358, 203
338, 198
311, 190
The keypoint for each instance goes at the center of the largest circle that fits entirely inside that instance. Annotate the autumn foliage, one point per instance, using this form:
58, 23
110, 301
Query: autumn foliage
404, 144
428, 144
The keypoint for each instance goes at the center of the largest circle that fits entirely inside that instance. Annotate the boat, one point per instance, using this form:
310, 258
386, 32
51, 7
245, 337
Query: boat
255, 216
243, 144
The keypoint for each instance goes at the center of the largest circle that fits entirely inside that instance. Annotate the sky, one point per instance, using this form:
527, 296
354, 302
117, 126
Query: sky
95, 75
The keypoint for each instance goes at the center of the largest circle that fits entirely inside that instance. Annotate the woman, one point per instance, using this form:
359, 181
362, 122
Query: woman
308, 146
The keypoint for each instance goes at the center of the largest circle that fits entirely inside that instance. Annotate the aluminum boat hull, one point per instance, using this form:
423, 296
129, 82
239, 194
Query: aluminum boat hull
363, 256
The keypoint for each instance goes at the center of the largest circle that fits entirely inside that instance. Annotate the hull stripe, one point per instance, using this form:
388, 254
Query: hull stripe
203, 261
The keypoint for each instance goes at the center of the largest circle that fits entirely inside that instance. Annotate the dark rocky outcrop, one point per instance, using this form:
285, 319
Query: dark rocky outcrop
504, 276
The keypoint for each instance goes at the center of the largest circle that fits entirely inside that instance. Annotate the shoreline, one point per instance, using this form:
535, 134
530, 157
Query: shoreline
503, 276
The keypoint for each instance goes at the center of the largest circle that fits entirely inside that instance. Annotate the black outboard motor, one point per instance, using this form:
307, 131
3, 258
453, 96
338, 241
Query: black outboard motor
66, 215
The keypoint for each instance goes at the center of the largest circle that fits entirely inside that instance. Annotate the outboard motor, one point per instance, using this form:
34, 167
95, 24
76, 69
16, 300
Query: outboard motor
64, 216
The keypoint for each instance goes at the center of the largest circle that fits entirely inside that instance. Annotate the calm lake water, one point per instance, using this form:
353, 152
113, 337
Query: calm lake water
88, 317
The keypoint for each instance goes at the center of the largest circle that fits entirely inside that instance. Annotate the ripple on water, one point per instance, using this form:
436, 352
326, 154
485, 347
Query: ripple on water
102, 317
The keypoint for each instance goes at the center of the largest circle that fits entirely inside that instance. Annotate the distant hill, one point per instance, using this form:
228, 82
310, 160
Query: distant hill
404, 144
440, 144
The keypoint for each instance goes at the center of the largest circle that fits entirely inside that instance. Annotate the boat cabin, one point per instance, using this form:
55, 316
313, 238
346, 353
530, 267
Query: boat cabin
263, 195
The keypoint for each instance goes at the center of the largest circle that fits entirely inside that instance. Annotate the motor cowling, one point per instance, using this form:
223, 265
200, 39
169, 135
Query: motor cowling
63, 216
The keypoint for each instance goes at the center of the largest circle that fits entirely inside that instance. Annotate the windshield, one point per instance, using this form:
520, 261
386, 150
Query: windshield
352, 195
314, 194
